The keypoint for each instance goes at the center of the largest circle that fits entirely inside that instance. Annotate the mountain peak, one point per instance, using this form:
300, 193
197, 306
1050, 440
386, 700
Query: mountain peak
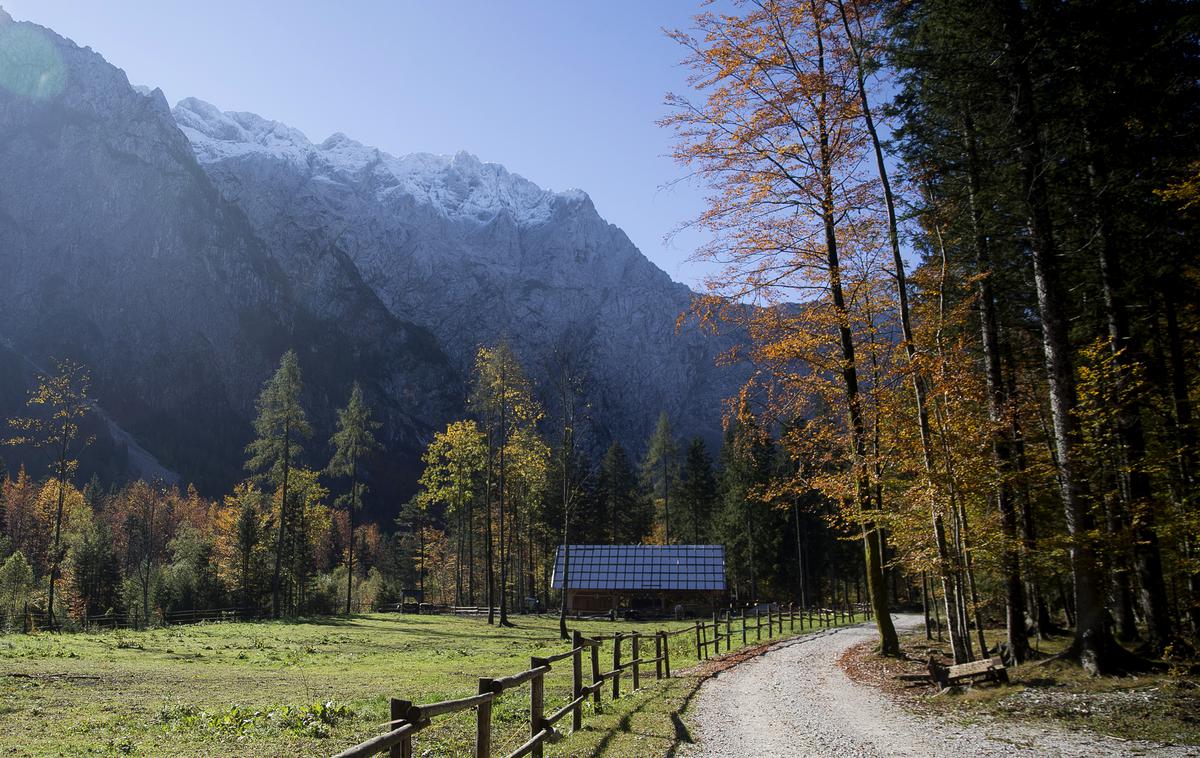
459, 186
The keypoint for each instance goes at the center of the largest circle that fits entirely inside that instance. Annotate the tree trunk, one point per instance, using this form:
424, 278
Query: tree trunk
1093, 646
58, 516
503, 589
489, 548
1142, 506
1014, 616
350, 544
666, 503
471, 550
1186, 436
919, 389
889, 643
287, 450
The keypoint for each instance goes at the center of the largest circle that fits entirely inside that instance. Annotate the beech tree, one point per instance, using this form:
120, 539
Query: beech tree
777, 136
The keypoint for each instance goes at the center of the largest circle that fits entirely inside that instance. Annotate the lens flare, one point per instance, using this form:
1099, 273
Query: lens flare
30, 64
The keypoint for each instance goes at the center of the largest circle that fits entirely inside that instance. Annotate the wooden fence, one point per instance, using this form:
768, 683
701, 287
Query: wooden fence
37, 619
407, 719
751, 621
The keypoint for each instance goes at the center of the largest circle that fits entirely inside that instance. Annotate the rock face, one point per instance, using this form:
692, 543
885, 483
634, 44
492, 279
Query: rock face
180, 253
475, 254
117, 250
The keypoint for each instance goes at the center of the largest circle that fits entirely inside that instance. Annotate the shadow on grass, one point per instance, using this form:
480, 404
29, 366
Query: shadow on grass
681, 735
705, 671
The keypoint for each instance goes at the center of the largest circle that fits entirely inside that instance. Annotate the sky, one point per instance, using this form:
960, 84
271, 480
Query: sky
564, 92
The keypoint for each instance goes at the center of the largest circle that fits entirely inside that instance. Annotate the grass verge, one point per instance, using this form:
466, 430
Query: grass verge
1160, 707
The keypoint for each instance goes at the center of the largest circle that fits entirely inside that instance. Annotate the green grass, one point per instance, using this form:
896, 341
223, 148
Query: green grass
312, 687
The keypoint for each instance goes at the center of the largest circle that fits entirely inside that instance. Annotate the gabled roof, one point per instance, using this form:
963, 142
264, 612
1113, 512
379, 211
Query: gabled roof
643, 567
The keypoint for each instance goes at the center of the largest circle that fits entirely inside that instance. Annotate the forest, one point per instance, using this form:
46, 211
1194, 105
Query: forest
498, 492
957, 244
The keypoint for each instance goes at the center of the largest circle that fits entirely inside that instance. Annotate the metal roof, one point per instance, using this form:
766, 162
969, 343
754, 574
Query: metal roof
643, 567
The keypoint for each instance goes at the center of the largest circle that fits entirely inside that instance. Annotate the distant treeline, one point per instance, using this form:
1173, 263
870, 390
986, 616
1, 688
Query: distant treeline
495, 500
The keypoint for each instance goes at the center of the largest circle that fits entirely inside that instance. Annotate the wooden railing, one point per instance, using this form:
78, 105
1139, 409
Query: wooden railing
709, 634
407, 720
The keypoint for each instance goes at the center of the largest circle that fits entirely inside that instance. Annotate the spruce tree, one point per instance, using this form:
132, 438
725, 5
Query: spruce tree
280, 426
628, 515
660, 469
352, 442
697, 492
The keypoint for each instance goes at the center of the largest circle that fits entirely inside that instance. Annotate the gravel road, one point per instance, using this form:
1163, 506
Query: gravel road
794, 701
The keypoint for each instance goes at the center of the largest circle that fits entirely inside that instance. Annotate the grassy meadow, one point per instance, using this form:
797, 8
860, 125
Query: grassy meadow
312, 687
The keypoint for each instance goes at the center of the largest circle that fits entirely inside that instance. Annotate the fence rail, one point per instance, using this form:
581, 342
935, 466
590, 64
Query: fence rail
407, 719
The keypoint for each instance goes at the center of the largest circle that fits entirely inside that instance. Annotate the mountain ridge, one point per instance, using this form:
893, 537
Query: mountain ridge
179, 252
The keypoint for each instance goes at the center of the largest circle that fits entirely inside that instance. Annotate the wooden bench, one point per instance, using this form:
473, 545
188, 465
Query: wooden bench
988, 669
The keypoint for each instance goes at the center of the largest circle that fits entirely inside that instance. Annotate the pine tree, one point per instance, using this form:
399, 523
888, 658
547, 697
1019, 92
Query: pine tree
280, 426
353, 441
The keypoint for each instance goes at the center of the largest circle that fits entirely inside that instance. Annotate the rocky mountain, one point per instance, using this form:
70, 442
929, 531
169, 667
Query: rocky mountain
475, 253
117, 250
179, 253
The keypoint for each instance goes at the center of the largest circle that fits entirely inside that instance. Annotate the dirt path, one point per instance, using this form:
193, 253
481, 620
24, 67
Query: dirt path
794, 701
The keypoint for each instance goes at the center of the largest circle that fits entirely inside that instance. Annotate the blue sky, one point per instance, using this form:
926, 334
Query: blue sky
563, 92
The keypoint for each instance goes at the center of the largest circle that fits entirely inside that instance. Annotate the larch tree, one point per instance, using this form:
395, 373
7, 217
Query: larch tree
502, 397
353, 441
567, 383
454, 464
58, 405
280, 427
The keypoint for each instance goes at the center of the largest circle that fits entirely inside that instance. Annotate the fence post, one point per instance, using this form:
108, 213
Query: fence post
536, 702
596, 680
483, 722
666, 638
616, 665
658, 656
576, 680
757, 625
698, 657
707, 648
716, 635
728, 634
398, 709
636, 657
743, 627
